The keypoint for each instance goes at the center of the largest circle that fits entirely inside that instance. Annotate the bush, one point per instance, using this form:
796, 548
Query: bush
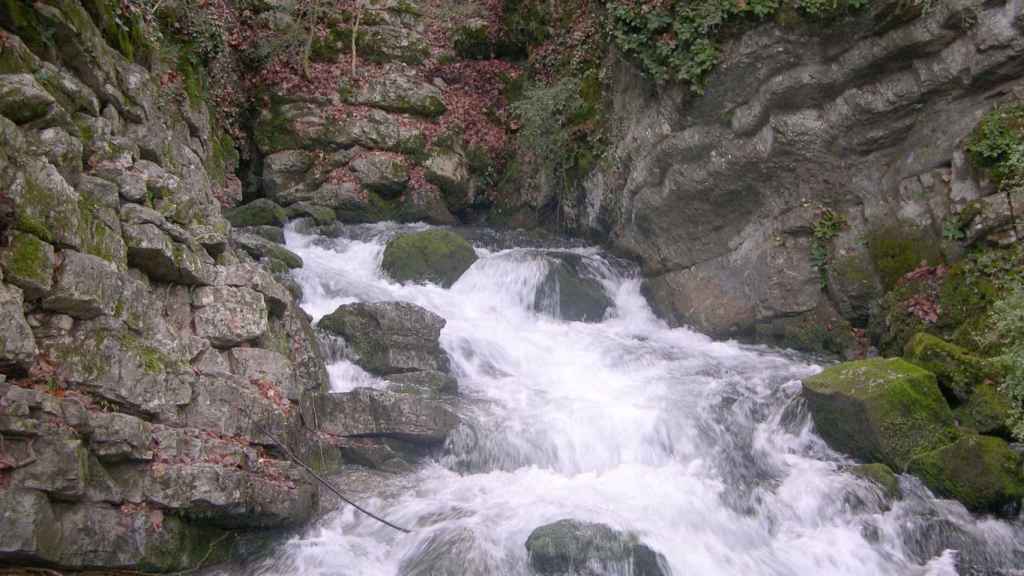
997, 145
1008, 321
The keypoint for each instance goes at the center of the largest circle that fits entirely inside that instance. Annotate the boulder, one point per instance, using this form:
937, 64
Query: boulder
390, 337
23, 100
321, 215
438, 256
987, 411
260, 212
398, 91
259, 247
85, 286
153, 251
382, 172
17, 343
957, 370
449, 171
568, 294
879, 410
228, 316
982, 472
590, 549
367, 412
28, 263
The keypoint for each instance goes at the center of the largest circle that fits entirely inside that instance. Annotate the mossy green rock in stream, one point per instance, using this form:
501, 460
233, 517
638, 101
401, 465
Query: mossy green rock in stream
438, 256
987, 411
261, 212
587, 548
882, 476
879, 410
957, 370
982, 472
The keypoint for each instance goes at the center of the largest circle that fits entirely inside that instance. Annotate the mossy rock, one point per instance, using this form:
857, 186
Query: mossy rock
897, 249
28, 263
568, 293
261, 212
322, 215
819, 331
881, 476
982, 472
957, 370
472, 41
879, 410
438, 256
987, 411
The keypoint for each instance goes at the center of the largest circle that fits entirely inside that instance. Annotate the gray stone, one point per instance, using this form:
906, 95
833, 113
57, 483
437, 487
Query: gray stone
366, 412
85, 286
115, 437
321, 215
61, 149
46, 205
28, 263
568, 293
449, 171
229, 316
591, 549
381, 172
256, 277
17, 344
260, 212
283, 171
266, 366
60, 468
28, 529
23, 100
428, 382
390, 337
152, 250
259, 247
398, 91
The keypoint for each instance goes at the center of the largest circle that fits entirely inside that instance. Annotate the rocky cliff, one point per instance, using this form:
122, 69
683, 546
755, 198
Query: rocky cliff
143, 351
823, 160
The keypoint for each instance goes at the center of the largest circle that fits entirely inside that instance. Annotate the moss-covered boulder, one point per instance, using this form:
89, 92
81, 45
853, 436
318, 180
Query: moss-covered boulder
957, 370
987, 411
261, 212
982, 472
322, 215
574, 547
438, 256
881, 476
879, 410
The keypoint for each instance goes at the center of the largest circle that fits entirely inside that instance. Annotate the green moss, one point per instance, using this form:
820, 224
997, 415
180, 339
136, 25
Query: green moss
273, 132
122, 29
957, 370
223, 158
997, 145
881, 410
473, 42
28, 258
36, 200
897, 249
260, 212
982, 472
882, 476
438, 256
20, 17
987, 411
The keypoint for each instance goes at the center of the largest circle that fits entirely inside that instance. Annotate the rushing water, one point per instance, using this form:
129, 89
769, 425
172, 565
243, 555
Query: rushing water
699, 447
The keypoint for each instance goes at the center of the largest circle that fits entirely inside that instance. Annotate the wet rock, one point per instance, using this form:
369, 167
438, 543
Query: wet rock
438, 256
17, 344
366, 412
428, 382
882, 476
28, 263
85, 286
259, 247
567, 293
398, 91
381, 172
879, 410
982, 472
590, 549
321, 215
229, 316
260, 212
390, 337
957, 370
28, 529
116, 437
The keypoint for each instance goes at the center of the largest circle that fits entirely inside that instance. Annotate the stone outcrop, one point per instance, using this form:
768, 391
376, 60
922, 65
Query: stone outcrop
143, 348
590, 549
819, 165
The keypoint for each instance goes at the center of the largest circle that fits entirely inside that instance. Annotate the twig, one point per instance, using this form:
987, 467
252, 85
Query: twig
355, 34
311, 472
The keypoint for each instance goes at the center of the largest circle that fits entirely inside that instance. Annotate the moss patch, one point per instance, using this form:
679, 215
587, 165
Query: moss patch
261, 212
981, 472
987, 411
28, 260
438, 256
882, 476
897, 249
957, 370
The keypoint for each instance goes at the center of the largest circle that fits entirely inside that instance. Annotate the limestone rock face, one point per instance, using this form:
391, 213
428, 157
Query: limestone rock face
229, 316
17, 345
366, 412
85, 287
590, 549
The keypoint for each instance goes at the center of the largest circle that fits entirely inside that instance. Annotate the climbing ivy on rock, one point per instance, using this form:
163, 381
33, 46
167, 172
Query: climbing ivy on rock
679, 39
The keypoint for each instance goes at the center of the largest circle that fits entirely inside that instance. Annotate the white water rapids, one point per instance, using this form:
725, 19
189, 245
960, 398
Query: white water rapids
697, 446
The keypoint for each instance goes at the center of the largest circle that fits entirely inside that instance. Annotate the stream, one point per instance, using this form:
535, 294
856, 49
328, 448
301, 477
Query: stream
701, 448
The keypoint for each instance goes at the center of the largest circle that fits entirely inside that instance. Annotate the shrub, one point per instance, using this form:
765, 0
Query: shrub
1008, 321
997, 145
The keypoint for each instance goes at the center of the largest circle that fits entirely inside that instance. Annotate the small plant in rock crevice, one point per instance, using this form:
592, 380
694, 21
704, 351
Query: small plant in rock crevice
825, 229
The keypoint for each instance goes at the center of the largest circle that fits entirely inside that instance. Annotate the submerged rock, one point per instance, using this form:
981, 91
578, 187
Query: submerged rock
881, 476
572, 547
879, 410
438, 256
567, 293
390, 337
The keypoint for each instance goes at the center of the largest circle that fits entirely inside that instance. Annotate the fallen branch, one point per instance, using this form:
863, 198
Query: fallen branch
325, 482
